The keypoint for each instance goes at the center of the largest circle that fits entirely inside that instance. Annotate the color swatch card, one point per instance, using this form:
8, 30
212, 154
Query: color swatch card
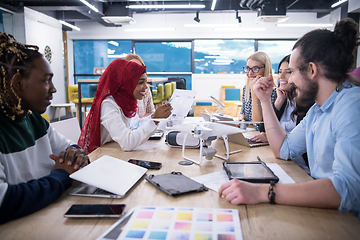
165, 223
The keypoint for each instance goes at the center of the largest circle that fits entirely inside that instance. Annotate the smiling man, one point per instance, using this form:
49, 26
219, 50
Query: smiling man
35, 160
329, 133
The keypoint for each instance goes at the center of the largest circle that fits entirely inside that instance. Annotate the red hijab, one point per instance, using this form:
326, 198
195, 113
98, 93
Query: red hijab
119, 81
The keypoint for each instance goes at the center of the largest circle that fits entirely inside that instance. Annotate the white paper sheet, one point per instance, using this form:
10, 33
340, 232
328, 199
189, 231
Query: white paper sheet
216, 179
181, 102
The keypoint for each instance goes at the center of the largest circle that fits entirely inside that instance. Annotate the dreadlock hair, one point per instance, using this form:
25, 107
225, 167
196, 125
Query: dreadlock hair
15, 58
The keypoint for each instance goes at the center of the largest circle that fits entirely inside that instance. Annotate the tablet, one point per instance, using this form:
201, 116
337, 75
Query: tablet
255, 172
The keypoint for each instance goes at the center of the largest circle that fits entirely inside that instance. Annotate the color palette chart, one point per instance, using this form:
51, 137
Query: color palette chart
165, 223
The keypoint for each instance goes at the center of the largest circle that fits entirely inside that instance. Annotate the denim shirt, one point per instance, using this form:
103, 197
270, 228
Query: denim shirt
331, 136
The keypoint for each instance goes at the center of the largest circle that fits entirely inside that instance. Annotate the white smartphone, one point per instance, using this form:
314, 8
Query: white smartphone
95, 210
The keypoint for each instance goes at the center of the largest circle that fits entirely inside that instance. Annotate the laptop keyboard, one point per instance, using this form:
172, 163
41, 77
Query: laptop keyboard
252, 143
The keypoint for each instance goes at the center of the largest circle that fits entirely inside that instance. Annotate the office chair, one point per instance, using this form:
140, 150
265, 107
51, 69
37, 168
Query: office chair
74, 97
159, 97
173, 87
168, 91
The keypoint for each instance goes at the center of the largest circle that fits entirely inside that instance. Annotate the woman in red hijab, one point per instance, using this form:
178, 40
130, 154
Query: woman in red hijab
115, 103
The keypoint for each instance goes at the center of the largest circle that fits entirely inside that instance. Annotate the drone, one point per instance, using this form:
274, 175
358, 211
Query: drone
220, 117
206, 132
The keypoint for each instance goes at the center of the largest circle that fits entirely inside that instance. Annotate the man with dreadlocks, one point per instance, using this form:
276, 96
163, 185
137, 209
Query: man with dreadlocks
35, 160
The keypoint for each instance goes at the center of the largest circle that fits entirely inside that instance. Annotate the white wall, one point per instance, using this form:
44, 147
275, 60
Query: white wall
42, 30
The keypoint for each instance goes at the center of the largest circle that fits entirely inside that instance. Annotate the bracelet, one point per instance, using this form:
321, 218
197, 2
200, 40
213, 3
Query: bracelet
257, 104
271, 193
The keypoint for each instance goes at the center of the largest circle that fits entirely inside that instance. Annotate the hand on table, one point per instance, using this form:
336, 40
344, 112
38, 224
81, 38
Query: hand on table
241, 192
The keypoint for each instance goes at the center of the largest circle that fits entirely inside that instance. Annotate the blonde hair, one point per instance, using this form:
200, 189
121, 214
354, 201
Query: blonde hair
131, 56
264, 59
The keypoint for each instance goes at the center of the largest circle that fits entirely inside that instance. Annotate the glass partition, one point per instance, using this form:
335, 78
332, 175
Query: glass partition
92, 55
222, 56
276, 49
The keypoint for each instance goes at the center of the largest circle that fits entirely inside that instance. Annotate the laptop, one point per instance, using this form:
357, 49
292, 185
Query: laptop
239, 138
107, 177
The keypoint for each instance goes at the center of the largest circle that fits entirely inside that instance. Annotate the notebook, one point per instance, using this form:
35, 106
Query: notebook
107, 177
239, 138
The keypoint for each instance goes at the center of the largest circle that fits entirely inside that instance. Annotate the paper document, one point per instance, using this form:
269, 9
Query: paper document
181, 102
216, 179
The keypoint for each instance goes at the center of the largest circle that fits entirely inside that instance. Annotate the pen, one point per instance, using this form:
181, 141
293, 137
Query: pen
258, 158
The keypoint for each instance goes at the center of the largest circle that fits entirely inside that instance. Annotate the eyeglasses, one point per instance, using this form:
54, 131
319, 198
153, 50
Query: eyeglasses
253, 69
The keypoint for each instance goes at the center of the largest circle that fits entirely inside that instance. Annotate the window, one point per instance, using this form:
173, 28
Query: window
276, 49
165, 56
91, 54
6, 22
229, 56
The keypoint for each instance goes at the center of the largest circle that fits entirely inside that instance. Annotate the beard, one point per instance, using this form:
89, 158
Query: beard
306, 96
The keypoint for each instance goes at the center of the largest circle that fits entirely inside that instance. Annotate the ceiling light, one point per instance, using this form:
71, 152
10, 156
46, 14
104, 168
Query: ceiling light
304, 25
69, 25
193, 6
148, 29
196, 18
338, 3
213, 5
89, 5
118, 20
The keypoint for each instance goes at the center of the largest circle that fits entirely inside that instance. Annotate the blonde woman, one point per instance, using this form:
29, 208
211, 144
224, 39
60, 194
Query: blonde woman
258, 65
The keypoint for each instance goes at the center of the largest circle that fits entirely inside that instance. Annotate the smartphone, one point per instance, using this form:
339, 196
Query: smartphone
156, 136
95, 210
146, 164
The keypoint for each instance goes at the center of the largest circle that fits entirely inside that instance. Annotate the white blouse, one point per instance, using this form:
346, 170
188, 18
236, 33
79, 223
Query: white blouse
115, 127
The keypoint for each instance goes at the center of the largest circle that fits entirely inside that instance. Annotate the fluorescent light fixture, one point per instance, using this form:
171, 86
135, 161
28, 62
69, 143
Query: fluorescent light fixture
304, 25
212, 25
89, 5
213, 5
69, 25
163, 6
240, 29
338, 3
114, 43
149, 29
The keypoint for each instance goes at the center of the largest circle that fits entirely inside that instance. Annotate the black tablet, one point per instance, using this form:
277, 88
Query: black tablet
255, 172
